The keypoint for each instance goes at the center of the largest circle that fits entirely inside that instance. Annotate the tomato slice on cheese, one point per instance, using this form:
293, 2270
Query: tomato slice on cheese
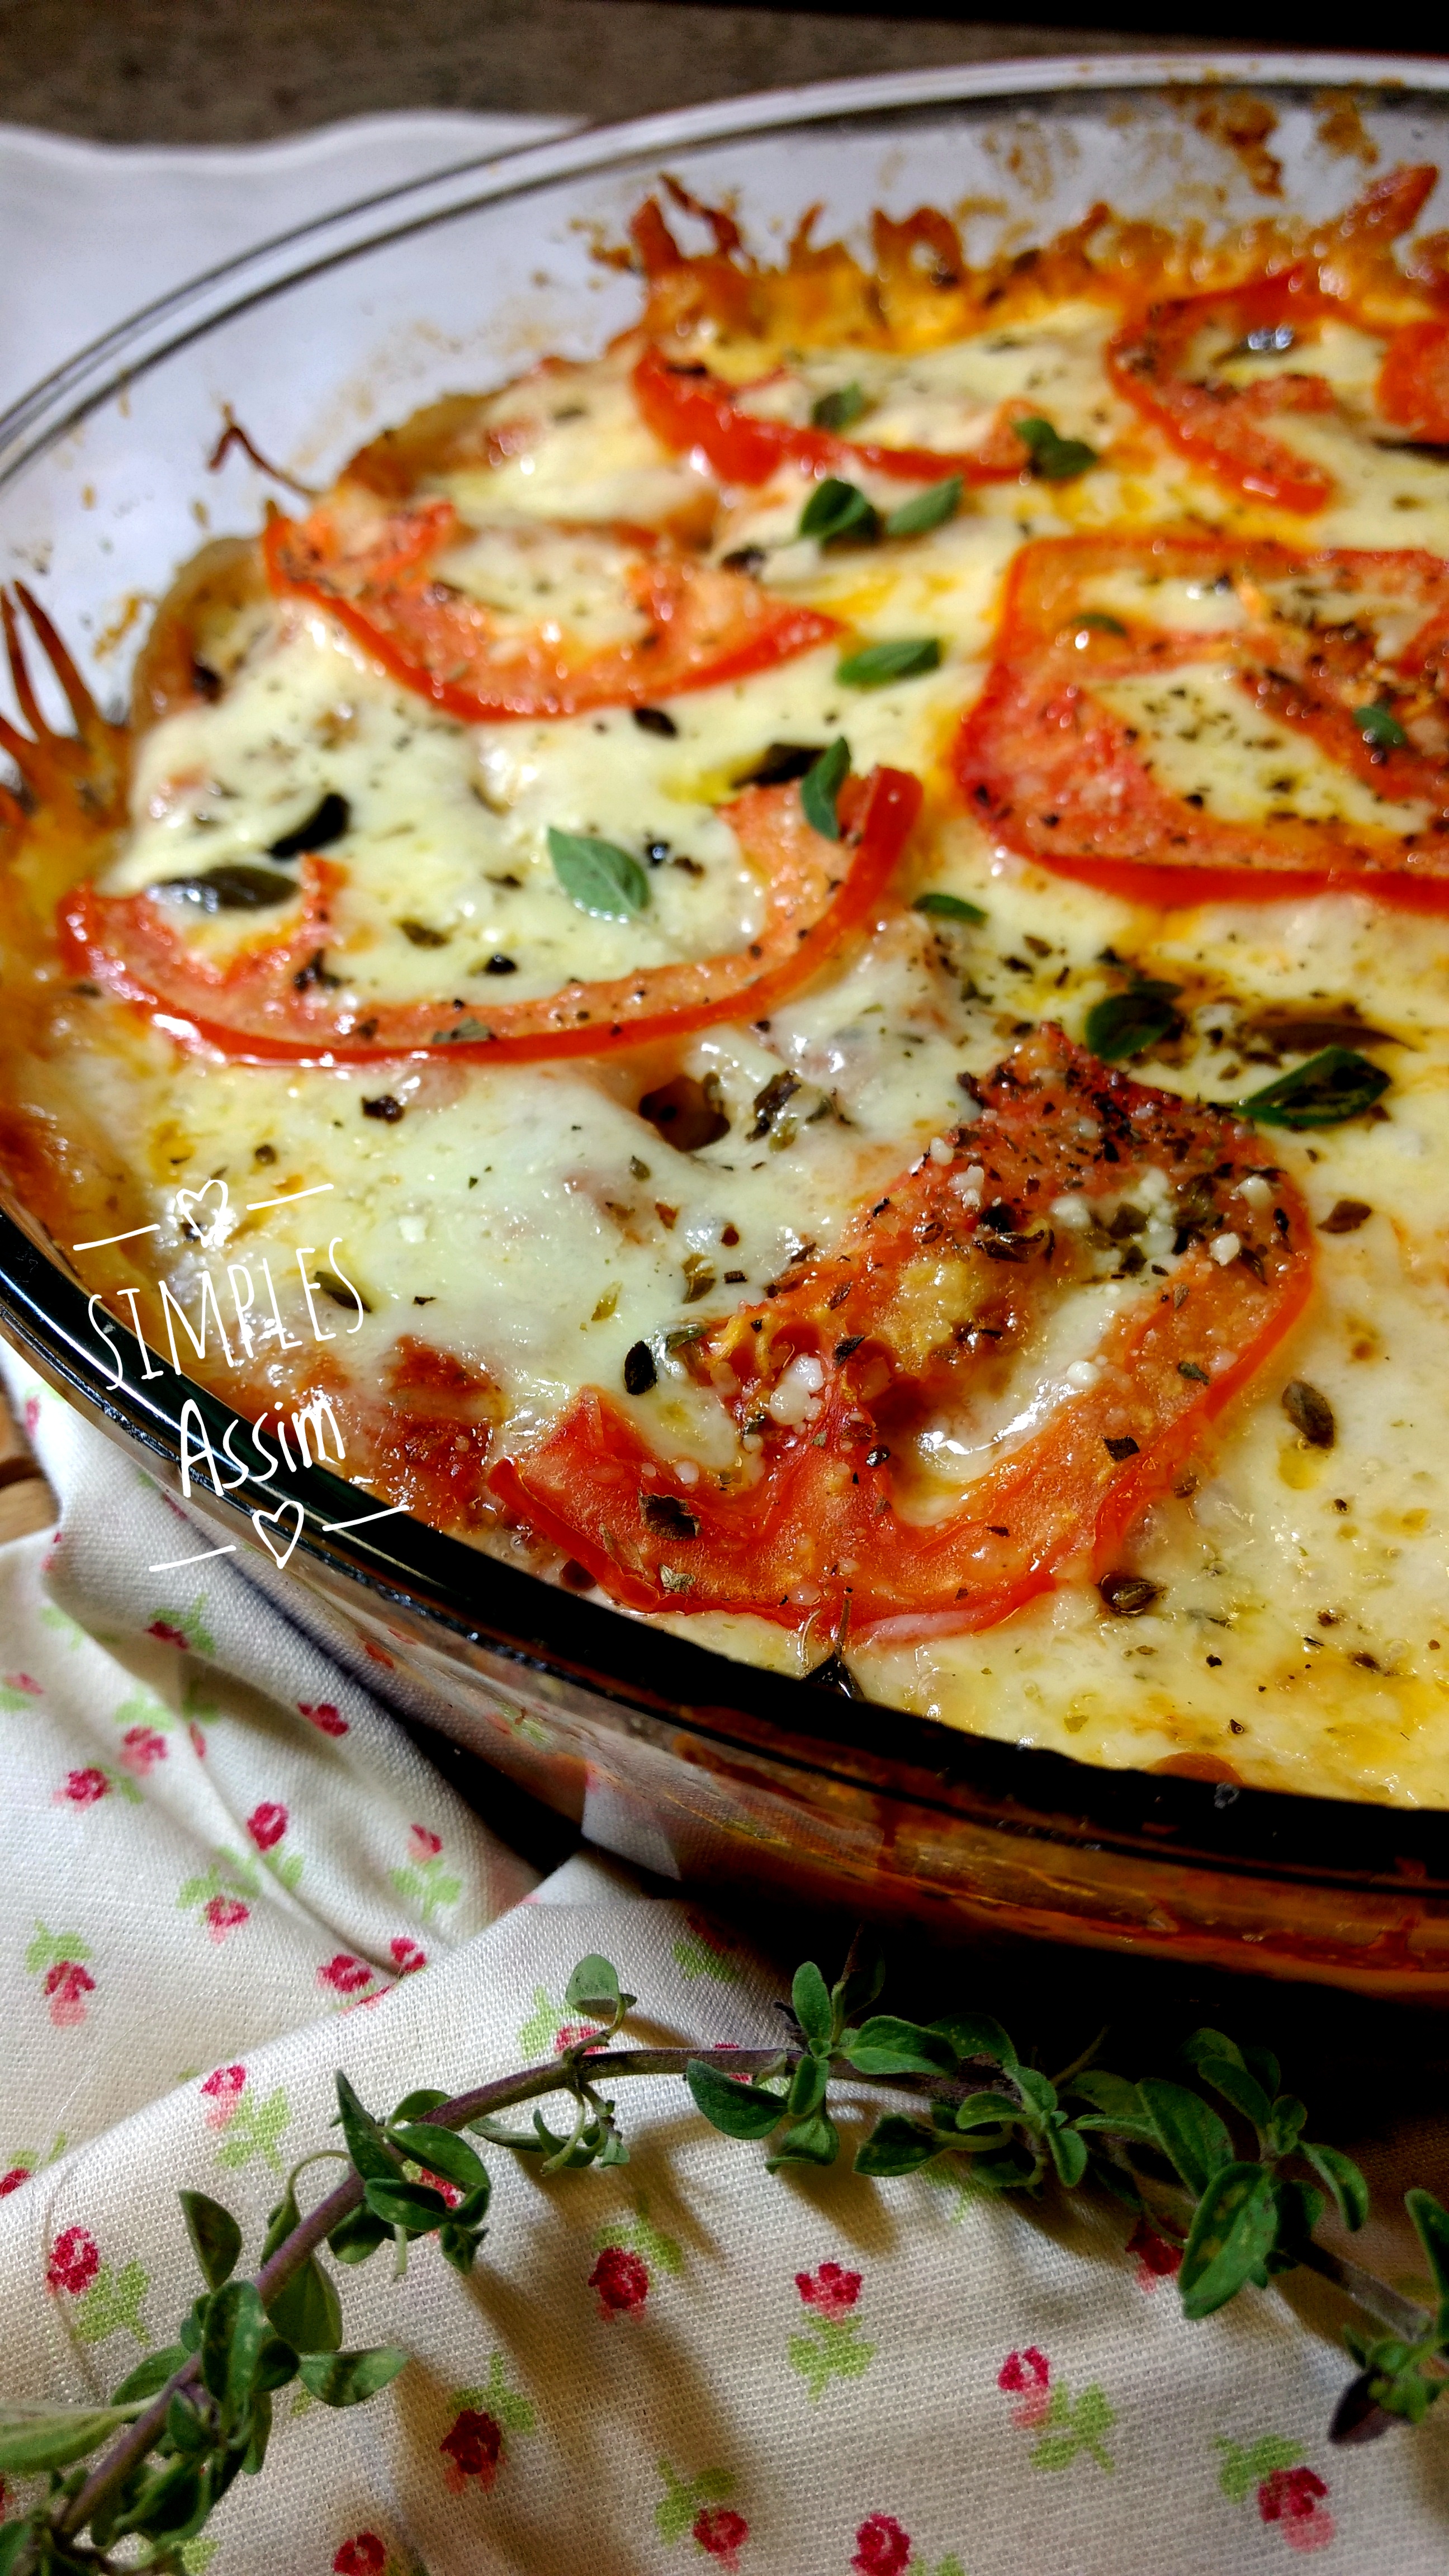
288, 997
1165, 362
954, 1280
397, 579
1413, 387
687, 407
1347, 648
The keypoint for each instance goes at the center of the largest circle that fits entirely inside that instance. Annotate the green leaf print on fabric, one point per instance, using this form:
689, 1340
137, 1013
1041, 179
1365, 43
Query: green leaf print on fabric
1286, 2490
13, 1700
515, 2412
255, 2128
831, 2346
185, 1628
60, 1622
680, 2505
112, 2305
543, 2026
639, 2236
196, 2555
704, 1951
1075, 2424
1243, 2469
54, 1949
425, 1881
217, 1894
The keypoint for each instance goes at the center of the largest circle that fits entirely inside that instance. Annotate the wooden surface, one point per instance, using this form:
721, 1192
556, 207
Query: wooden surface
26, 1501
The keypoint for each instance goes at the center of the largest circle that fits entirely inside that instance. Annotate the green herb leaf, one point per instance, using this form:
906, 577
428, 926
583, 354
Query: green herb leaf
276, 2364
149, 2376
173, 2505
1240, 2088
36, 2438
349, 2378
1126, 1024
810, 2002
807, 2086
261, 2434
357, 2235
949, 907
442, 2152
1379, 727
975, 2035
459, 2245
307, 2312
1204, 2043
986, 2111
1041, 2096
280, 2223
1334, 1085
363, 2136
1108, 2093
184, 2427
814, 2141
1054, 458
1285, 2124
905, 657
1344, 2180
821, 785
414, 2206
1231, 2237
837, 511
1191, 2136
859, 1985
1431, 2223
216, 2239
896, 2146
930, 509
1097, 621
598, 876
1068, 2152
838, 409
886, 2045
737, 2110
14, 2537
413, 2106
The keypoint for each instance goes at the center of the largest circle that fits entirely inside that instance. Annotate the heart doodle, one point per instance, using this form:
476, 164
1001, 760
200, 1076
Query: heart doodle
213, 1233
259, 1521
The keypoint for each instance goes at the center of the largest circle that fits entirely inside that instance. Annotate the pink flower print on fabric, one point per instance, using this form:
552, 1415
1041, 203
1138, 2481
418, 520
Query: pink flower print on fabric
344, 1974
12, 2180
1027, 2376
223, 1914
720, 2533
829, 2290
621, 2280
32, 1415
83, 1788
74, 2262
25, 1682
423, 1843
472, 2450
1289, 2495
267, 1824
66, 1987
321, 1713
223, 2092
1157, 2259
882, 2548
141, 1749
362, 2556
407, 1955
1293, 2498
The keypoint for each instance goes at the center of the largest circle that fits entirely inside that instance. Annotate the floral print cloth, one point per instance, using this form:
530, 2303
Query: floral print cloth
228, 1872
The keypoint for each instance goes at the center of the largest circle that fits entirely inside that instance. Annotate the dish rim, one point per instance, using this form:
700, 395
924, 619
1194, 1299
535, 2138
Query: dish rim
654, 1678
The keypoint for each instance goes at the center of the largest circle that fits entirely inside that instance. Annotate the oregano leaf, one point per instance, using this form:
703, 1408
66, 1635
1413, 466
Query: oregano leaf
813, 2141
1431, 2224
821, 785
837, 409
149, 2376
897, 2146
810, 2003
363, 2136
414, 2206
736, 2110
216, 2239
443, 2152
598, 876
1336, 1084
1190, 2134
929, 509
349, 2378
307, 2312
837, 512
359, 2234
1232, 2234
986, 2111
36, 2438
902, 657
807, 2086
1350, 2190
1127, 1024
1068, 2151
1240, 2088
280, 2223
1041, 2096
593, 1990
414, 2106
887, 2045
940, 906
976, 2035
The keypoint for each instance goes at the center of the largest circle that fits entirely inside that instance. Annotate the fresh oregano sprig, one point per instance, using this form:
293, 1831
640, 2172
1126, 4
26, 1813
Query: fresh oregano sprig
1242, 2202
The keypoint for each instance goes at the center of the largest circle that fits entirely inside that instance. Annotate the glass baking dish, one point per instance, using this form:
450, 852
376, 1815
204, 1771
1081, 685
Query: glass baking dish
706, 1770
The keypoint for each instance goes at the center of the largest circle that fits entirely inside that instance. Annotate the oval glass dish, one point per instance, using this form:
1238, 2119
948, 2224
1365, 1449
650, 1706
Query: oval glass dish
703, 1769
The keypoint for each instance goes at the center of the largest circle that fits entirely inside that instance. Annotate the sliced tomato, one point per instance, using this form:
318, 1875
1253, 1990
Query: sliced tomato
924, 1307
281, 1000
1225, 428
1056, 775
1413, 390
687, 407
376, 571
